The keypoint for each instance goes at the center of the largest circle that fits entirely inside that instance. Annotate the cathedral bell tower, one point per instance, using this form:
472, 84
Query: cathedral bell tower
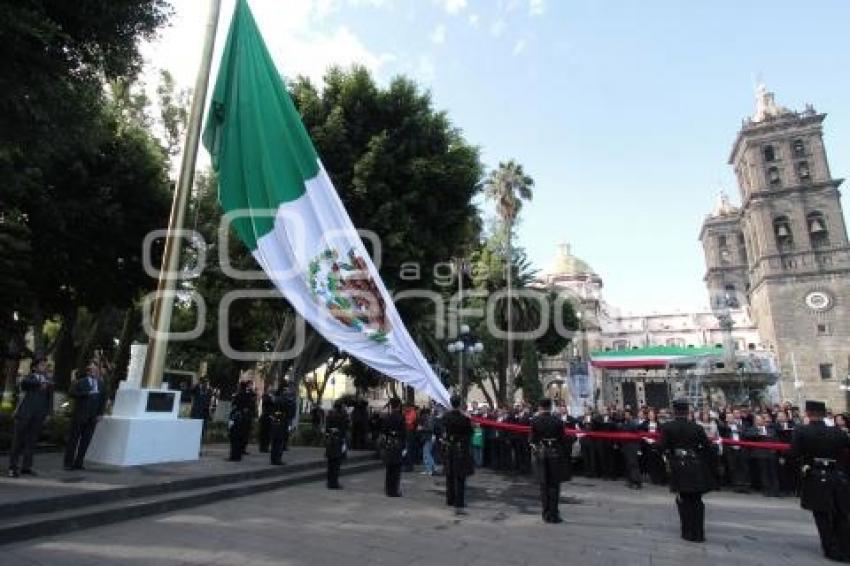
793, 235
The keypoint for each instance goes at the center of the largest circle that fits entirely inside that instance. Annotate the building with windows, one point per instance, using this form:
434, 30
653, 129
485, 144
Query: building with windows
784, 254
638, 336
778, 278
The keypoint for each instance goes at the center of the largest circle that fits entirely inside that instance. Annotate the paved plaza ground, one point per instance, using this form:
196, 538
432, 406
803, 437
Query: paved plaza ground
605, 523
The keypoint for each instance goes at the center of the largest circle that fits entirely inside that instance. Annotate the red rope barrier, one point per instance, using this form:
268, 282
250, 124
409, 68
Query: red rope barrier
627, 436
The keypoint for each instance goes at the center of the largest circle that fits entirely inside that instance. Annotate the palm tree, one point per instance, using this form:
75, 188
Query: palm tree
508, 186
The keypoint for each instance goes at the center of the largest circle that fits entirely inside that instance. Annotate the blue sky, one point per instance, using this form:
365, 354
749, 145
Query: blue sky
624, 112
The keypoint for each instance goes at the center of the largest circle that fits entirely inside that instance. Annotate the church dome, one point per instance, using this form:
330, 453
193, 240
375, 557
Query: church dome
566, 264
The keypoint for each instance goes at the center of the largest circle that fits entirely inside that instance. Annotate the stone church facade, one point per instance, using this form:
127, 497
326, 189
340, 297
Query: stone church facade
784, 254
777, 267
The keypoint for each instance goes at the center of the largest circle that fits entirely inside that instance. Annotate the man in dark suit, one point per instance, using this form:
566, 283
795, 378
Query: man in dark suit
393, 439
825, 489
33, 408
201, 403
687, 448
552, 454
457, 454
737, 463
765, 462
631, 450
89, 398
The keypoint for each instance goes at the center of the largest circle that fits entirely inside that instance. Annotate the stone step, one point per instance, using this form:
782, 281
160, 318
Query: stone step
77, 500
22, 525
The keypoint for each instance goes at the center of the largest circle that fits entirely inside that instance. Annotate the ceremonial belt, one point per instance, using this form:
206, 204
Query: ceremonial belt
824, 462
684, 453
549, 441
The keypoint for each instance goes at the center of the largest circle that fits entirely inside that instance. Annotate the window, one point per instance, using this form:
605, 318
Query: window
782, 232
721, 241
730, 296
676, 342
803, 172
751, 346
620, 345
824, 329
769, 153
818, 233
826, 371
798, 148
773, 177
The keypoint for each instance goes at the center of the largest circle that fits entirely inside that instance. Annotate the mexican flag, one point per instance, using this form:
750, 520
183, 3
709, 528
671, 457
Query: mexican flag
286, 210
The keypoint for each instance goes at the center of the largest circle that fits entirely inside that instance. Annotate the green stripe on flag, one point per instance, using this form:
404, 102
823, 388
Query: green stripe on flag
258, 144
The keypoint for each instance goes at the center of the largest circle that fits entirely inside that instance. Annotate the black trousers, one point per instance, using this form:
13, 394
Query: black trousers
24, 440
834, 532
236, 446
277, 438
79, 437
246, 428
550, 493
691, 516
456, 491
333, 472
631, 460
769, 473
392, 485
264, 434
737, 467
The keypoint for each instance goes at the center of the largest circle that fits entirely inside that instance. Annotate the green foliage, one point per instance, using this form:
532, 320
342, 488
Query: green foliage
532, 389
401, 168
508, 185
83, 178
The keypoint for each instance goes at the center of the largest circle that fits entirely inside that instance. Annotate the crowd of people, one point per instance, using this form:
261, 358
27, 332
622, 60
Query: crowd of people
773, 471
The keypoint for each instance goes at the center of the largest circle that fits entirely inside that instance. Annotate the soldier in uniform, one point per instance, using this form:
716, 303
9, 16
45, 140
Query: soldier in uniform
238, 427
280, 415
265, 424
457, 454
825, 489
336, 428
688, 451
393, 438
552, 455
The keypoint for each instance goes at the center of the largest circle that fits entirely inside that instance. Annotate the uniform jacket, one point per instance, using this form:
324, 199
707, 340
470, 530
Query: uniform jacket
336, 428
822, 489
394, 434
689, 472
552, 449
457, 444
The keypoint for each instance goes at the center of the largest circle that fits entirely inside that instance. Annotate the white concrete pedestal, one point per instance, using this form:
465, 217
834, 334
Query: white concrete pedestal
145, 428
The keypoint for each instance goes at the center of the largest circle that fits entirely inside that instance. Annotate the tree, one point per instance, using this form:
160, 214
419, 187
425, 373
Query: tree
508, 186
532, 389
401, 169
72, 174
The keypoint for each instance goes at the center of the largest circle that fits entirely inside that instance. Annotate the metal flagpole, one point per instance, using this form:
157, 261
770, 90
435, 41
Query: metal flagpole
164, 302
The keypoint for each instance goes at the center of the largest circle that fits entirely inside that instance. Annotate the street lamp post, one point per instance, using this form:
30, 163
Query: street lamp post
465, 345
